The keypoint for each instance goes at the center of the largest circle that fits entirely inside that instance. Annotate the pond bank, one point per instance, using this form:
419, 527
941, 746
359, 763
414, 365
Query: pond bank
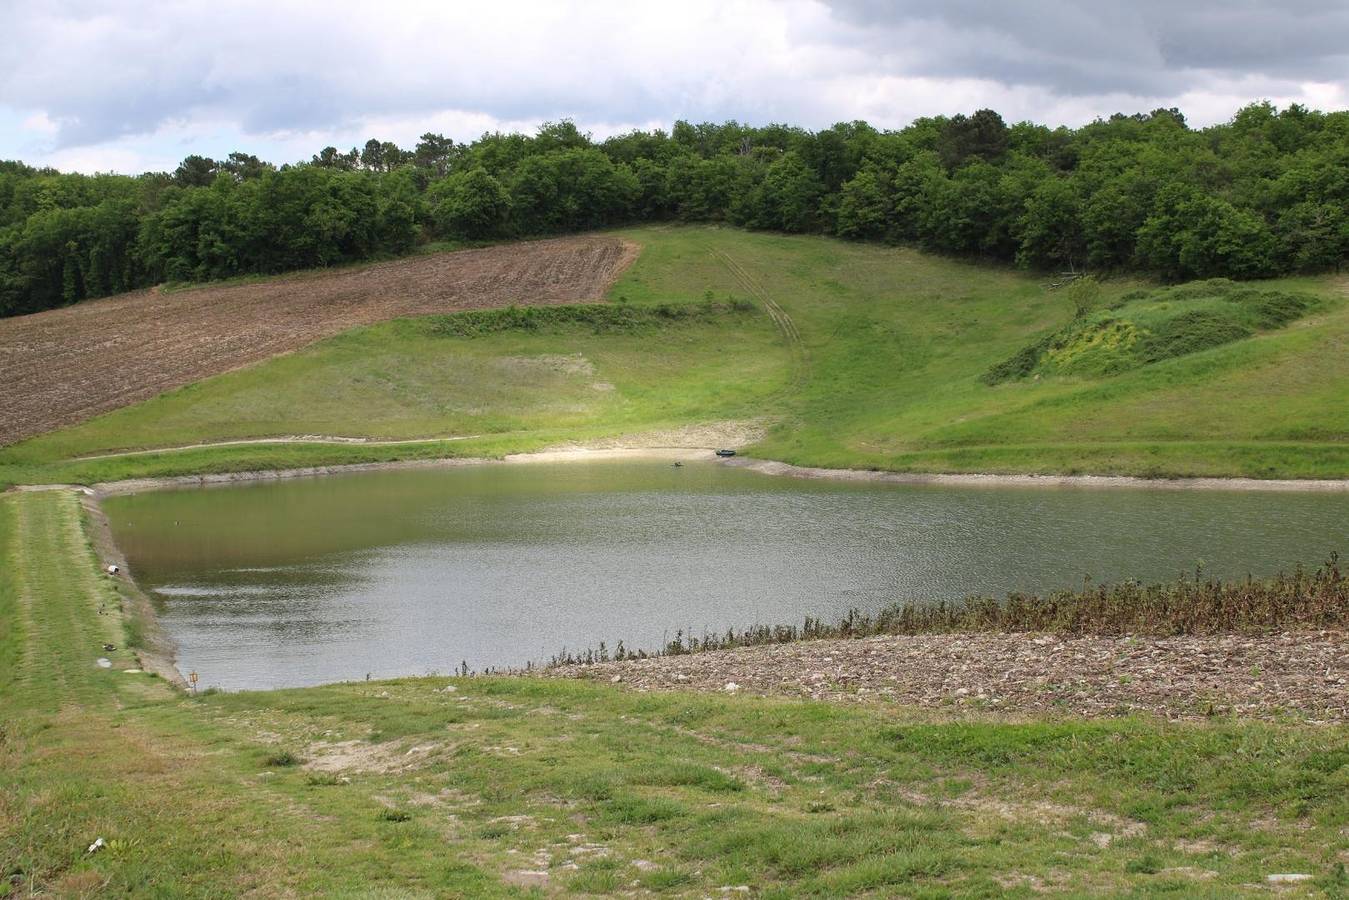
1298, 674
773, 467
762, 466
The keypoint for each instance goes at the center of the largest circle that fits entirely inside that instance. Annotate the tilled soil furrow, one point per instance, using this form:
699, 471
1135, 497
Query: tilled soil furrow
63, 366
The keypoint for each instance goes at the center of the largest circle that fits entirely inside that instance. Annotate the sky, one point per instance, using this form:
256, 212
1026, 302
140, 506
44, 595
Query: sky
135, 85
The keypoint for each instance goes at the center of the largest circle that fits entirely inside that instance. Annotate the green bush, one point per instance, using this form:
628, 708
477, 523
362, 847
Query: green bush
601, 318
1145, 327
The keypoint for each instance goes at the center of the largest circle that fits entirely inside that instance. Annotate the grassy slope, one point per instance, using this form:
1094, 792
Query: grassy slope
527, 775
885, 376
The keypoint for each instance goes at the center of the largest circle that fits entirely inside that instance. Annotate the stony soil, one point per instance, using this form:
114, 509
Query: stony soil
1303, 674
66, 365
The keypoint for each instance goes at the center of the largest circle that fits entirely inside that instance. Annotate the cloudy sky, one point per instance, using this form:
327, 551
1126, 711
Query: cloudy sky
135, 85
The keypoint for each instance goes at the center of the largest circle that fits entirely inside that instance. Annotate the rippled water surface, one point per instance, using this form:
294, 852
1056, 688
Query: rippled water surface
407, 572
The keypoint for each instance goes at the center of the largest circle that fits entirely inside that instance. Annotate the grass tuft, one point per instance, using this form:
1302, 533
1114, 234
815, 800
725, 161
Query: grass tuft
281, 759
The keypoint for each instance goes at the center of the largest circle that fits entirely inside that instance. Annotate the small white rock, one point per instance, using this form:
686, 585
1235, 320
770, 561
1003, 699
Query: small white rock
1288, 878
104, 662
731, 687
616, 679
96, 846
114, 569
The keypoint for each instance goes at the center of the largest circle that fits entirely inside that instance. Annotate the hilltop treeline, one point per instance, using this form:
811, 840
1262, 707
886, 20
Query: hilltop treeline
1266, 194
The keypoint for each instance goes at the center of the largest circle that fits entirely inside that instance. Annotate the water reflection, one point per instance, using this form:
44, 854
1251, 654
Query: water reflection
388, 573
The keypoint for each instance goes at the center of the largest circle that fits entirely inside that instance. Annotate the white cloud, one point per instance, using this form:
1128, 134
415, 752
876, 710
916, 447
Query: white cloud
134, 85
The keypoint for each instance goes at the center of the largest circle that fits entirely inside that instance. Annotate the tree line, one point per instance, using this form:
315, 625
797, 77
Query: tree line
1264, 194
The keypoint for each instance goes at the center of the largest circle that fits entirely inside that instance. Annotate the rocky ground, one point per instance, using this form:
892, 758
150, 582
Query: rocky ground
1299, 674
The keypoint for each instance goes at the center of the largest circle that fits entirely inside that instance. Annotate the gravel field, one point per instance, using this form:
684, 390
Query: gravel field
1300, 674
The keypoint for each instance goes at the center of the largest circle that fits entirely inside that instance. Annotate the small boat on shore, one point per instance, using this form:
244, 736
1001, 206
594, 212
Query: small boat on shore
725, 453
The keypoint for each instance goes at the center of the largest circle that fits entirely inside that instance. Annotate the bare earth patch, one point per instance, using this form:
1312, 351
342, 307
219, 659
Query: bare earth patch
733, 433
363, 756
1301, 674
66, 365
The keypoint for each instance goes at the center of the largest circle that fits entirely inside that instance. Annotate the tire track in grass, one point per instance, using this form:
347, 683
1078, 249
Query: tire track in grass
59, 648
786, 327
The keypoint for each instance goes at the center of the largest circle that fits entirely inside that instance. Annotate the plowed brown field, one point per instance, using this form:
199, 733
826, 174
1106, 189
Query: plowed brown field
66, 365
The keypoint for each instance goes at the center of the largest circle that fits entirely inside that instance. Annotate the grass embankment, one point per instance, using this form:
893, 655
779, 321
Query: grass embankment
860, 356
486, 787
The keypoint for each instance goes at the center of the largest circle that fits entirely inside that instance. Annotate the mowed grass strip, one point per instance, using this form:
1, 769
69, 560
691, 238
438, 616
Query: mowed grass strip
854, 355
507, 786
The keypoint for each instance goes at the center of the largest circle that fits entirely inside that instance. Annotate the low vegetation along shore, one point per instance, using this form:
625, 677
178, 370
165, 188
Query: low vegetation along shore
1193, 648
111, 780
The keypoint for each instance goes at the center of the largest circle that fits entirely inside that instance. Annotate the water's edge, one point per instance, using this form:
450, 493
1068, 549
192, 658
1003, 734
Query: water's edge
764, 466
159, 654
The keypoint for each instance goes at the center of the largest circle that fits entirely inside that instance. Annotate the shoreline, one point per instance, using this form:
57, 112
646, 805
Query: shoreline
1299, 673
979, 479
158, 652
761, 466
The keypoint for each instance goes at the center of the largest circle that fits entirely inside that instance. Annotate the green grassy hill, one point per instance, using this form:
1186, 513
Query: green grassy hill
852, 356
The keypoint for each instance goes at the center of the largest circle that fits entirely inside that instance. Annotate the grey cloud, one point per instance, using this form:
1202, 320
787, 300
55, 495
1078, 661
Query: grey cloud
1081, 47
116, 68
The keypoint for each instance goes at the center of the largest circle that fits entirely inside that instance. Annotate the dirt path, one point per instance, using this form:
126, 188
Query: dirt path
66, 365
786, 327
1302, 674
284, 439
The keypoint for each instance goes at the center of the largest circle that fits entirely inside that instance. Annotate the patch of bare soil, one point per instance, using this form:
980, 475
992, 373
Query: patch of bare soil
1303, 674
363, 756
701, 436
63, 366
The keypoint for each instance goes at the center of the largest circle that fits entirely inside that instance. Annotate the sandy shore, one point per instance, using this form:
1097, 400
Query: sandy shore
136, 485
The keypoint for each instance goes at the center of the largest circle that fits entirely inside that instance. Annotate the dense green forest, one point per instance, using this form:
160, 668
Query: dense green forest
1263, 195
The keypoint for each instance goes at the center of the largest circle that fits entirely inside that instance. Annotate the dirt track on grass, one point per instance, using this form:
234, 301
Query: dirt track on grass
63, 366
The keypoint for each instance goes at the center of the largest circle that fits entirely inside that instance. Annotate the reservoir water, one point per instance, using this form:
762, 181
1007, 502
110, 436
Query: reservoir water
305, 581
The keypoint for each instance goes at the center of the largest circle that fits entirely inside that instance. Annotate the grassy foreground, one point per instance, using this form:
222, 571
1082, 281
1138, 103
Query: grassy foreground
856, 356
504, 787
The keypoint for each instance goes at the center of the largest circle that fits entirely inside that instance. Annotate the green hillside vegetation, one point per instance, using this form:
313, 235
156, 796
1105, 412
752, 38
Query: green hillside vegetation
1145, 327
883, 363
1258, 196
464, 787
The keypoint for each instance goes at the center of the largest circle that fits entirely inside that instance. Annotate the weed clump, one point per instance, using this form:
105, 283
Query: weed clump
281, 759
1187, 606
1145, 327
600, 318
